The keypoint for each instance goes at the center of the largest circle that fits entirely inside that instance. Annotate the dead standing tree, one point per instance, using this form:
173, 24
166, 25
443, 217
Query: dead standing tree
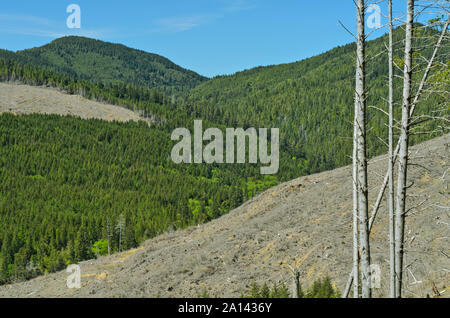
391, 155
120, 227
361, 160
412, 108
359, 171
403, 150
407, 104
295, 281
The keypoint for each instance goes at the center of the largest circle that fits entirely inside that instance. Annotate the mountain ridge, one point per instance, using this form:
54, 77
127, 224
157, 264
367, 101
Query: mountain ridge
106, 62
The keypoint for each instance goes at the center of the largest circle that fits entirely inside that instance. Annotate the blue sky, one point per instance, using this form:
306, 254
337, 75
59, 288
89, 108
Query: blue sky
211, 37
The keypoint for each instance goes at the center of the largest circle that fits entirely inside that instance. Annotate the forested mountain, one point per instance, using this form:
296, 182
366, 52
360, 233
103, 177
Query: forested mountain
311, 101
71, 181
104, 62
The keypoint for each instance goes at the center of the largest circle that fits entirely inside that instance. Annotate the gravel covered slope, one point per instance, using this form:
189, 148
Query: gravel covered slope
305, 223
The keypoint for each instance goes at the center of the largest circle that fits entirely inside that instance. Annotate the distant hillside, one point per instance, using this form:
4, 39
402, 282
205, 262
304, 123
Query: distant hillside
105, 62
311, 101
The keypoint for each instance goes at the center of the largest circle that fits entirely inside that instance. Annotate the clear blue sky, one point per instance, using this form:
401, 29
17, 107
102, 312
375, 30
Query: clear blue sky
211, 37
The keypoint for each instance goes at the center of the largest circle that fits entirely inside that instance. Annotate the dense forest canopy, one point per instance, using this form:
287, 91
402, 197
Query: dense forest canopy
311, 101
65, 183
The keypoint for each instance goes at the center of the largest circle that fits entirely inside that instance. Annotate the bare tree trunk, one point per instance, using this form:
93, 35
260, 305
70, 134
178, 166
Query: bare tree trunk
120, 226
391, 158
120, 240
296, 283
355, 270
360, 102
411, 113
108, 227
403, 152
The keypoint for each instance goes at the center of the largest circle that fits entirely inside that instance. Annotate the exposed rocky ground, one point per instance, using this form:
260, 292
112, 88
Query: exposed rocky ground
24, 99
306, 222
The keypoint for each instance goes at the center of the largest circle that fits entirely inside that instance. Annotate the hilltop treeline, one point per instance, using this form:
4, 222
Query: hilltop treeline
108, 63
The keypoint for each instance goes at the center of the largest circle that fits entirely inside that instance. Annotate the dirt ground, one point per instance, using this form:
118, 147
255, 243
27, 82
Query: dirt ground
24, 99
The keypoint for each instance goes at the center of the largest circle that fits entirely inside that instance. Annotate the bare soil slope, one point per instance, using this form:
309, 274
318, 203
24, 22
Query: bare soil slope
305, 223
24, 99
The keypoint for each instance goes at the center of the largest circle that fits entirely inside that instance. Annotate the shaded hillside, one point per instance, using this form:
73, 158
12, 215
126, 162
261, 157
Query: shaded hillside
99, 61
305, 222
